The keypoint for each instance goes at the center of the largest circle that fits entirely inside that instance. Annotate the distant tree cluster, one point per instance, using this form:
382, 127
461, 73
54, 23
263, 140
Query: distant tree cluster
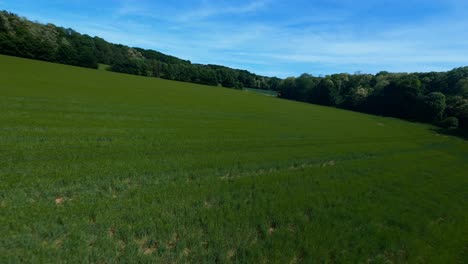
23, 38
440, 98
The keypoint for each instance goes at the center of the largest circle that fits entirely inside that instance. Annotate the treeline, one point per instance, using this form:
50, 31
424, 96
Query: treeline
23, 38
440, 98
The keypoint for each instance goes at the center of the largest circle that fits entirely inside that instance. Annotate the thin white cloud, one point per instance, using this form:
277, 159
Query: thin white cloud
206, 10
130, 7
209, 10
369, 59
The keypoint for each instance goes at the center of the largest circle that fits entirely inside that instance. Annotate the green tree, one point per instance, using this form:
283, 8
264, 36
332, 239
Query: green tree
457, 106
288, 89
450, 123
326, 93
86, 58
461, 88
434, 106
402, 96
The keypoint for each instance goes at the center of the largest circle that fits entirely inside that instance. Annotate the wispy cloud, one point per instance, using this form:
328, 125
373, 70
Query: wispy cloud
130, 7
211, 9
201, 11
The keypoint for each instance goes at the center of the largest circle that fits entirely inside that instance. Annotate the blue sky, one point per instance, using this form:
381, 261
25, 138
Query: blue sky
276, 37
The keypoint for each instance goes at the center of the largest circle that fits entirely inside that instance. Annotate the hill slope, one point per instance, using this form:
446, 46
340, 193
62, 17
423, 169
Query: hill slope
100, 166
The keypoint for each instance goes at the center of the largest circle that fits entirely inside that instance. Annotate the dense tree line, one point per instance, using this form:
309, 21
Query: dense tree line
440, 98
23, 38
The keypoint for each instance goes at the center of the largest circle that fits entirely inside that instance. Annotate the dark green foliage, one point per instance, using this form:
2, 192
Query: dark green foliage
457, 106
130, 67
425, 97
289, 90
326, 93
158, 56
434, 106
23, 38
461, 87
449, 123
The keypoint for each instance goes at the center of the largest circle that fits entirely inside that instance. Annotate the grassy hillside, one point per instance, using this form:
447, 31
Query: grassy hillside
264, 92
103, 167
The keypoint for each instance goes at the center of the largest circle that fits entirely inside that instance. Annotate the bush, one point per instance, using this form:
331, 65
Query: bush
450, 123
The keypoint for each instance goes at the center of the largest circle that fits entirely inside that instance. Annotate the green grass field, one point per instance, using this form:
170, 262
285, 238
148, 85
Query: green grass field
264, 92
103, 167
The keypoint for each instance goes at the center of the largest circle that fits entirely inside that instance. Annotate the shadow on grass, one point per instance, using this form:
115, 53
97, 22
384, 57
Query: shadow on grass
460, 133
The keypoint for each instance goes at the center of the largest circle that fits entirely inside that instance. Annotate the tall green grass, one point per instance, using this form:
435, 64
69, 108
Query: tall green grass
104, 167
